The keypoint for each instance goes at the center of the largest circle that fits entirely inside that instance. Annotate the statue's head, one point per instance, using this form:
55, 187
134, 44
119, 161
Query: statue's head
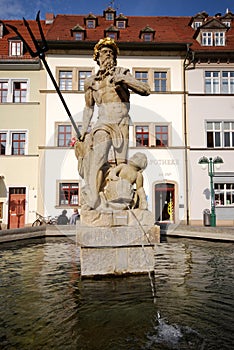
139, 160
106, 42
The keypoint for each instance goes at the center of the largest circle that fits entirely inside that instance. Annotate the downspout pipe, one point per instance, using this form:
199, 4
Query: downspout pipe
189, 59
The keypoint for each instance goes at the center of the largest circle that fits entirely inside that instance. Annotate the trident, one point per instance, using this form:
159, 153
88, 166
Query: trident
40, 52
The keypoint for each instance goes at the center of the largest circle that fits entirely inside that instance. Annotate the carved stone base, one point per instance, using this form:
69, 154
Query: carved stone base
131, 217
117, 249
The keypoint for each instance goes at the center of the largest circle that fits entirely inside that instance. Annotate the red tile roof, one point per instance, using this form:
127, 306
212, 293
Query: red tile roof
168, 30
9, 34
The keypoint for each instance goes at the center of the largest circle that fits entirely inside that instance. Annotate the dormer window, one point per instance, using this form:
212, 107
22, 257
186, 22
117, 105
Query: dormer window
213, 39
109, 14
211, 33
219, 39
147, 37
227, 18
147, 34
228, 24
207, 39
78, 33
79, 36
15, 48
196, 24
120, 24
198, 20
90, 21
121, 21
1, 30
112, 32
90, 24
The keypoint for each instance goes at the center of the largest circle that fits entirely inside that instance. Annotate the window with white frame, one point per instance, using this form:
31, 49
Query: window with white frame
3, 91
207, 39
1, 30
3, 140
228, 134
64, 133
82, 75
227, 23
217, 82
220, 134
19, 91
65, 80
213, 39
79, 36
120, 24
224, 194
68, 193
147, 36
212, 82
18, 140
196, 24
13, 91
219, 39
112, 35
15, 48
90, 23
160, 81
13, 142
151, 135
227, 82
109, 16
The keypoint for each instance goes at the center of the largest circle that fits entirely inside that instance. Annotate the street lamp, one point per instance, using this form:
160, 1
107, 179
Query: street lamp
211, 162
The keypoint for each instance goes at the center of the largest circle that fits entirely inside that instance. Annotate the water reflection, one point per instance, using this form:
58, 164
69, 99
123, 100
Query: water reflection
45, 305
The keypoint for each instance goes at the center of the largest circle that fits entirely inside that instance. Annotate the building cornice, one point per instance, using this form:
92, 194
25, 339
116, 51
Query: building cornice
126, 48
8, 64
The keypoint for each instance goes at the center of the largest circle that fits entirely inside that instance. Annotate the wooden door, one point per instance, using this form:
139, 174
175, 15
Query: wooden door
16, 213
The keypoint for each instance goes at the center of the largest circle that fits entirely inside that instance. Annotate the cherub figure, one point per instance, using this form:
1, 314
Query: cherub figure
125, 184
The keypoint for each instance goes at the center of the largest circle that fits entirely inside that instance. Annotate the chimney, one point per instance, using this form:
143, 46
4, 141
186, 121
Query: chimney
49, 18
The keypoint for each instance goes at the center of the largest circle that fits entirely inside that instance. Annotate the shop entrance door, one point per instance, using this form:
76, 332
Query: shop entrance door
164, 202
16, 212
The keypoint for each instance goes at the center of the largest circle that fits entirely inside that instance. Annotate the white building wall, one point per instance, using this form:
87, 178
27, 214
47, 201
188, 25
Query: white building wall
203, 108
164, 165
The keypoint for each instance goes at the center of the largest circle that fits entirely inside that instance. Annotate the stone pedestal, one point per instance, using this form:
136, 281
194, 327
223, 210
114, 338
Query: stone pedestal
122, 245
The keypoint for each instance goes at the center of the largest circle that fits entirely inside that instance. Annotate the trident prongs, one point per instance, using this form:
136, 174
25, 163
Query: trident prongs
40, 52
44, 47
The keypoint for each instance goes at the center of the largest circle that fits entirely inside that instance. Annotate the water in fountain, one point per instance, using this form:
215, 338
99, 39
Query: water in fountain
45, 305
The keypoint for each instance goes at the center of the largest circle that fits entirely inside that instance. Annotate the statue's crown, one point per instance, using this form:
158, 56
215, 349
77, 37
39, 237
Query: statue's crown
109, 42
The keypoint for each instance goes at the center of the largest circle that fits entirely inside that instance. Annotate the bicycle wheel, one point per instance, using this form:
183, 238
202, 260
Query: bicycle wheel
37, 223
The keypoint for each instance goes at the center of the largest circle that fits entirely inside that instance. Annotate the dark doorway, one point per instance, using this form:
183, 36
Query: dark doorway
164, 202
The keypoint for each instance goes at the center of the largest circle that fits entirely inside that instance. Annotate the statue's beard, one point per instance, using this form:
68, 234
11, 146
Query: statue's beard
107, 64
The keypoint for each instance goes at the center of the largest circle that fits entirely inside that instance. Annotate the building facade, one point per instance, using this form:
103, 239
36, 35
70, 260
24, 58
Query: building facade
21, 126
189, 65
211, 118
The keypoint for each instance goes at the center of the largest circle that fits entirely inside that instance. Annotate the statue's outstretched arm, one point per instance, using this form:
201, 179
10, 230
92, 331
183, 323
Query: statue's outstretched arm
132, 83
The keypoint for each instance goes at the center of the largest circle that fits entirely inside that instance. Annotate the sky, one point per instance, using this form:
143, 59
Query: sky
17, 9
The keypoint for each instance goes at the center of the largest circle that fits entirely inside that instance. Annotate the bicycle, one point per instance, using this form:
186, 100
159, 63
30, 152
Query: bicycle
42, 220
